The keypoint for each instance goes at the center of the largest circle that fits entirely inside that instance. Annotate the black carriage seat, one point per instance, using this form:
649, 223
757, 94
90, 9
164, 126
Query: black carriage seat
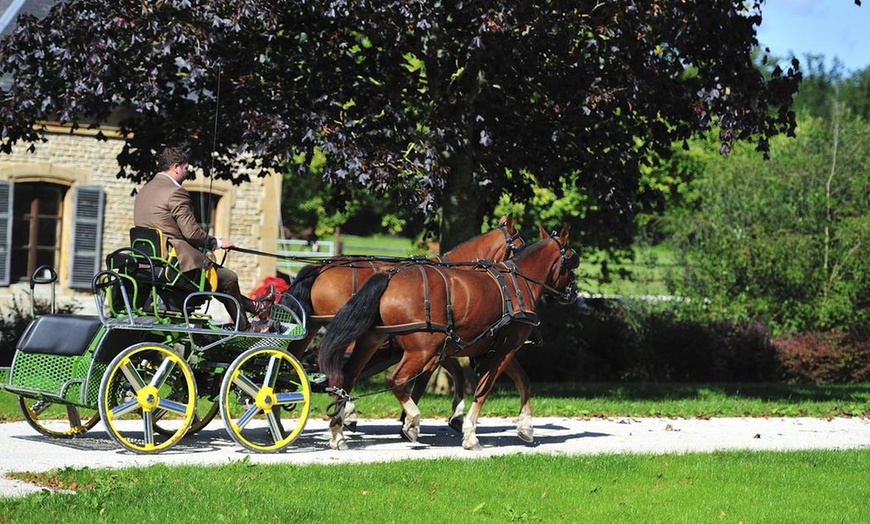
68, 335
152, 267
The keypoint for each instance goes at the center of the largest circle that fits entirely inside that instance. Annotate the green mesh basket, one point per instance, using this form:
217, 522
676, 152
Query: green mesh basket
4, 376
282, 317
57, 375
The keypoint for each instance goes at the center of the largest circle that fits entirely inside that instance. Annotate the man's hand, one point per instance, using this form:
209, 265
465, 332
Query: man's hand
226, 243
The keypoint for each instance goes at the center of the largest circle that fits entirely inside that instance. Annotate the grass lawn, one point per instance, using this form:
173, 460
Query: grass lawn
732, 487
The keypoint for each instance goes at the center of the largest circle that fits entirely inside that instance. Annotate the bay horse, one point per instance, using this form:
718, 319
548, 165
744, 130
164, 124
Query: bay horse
322, 289
434, 312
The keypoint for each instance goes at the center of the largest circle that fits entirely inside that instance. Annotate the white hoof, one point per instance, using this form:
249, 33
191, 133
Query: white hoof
527, 435
525, 430
471, 443
411, 434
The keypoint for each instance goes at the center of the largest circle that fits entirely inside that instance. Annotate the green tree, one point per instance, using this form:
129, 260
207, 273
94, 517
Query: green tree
443, 105
786, 239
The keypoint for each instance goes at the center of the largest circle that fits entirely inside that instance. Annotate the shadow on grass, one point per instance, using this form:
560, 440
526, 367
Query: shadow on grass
673, 391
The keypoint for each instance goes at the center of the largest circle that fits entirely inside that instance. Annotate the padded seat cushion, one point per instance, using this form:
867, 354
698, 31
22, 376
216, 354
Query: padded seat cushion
60, 334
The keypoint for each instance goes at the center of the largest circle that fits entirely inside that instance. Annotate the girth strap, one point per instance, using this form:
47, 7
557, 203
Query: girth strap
427, 303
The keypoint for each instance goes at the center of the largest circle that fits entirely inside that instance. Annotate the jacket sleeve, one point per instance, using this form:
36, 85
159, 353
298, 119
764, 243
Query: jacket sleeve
182, 211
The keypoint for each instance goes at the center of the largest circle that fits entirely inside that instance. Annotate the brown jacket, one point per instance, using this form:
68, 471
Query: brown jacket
162, 204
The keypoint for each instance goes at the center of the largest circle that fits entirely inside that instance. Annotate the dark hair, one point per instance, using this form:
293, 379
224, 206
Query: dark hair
171, 155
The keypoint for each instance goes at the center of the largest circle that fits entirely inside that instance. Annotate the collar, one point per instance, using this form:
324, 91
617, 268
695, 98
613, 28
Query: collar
170, 178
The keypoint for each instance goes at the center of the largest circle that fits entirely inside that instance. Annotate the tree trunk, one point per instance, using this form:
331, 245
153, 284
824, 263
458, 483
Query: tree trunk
461, 214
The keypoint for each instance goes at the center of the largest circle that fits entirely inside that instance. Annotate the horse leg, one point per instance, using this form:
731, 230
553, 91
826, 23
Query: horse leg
452, 366
336, 428
457, 374
363, 350
419, 357
495, 366
512, 369
420, 384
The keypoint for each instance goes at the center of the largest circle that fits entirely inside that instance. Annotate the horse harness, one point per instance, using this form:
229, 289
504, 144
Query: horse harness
509, 313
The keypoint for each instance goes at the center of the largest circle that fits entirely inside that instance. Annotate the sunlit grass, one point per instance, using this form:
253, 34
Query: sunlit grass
732, 487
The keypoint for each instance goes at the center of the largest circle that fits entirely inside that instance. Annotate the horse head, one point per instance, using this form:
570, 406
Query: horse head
497, 244
561, 276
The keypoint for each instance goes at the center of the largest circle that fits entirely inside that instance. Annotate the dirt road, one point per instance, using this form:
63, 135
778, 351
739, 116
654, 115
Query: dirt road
22, 449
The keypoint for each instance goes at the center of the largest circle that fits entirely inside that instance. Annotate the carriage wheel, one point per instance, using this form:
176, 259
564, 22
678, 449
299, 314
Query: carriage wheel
265, 399
48, 418
141, 381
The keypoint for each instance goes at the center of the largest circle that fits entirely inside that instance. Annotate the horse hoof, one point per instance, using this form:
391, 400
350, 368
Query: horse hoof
411, 434
350, 426
339, 445
455, 423
472, 447
526, 435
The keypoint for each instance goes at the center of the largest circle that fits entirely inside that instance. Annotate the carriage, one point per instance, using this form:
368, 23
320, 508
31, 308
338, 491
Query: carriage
154, 365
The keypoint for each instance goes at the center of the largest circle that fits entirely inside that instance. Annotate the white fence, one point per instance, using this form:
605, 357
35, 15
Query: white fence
301, 248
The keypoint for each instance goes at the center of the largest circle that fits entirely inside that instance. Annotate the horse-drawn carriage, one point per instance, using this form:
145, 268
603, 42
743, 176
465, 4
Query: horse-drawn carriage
153, 365
153, 368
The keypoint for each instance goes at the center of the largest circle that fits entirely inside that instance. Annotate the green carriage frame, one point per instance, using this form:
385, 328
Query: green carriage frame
144, 359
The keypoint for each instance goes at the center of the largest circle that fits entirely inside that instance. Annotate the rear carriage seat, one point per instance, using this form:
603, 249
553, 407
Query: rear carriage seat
68, 335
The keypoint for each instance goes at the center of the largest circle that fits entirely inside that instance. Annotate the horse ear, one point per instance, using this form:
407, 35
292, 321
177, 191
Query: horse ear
544, 234
563, 235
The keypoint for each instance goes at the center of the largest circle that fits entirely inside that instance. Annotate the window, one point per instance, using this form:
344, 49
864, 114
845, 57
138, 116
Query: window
32, 216
36, 227
204, 205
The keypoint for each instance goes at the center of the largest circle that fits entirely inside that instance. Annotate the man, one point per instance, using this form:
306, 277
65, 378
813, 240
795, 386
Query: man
163, 204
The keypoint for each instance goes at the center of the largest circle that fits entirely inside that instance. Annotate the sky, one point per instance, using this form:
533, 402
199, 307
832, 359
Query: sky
833, 28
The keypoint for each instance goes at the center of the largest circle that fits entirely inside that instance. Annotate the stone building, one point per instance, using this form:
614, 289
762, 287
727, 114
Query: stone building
63, 206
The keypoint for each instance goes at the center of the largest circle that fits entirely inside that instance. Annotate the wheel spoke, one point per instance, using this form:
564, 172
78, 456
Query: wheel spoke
126, 408
132, 375
246, 385
248, 416
171, 405
72, 413
148, 421
162, 373
275, 427
284, 399
272, 371
38, 407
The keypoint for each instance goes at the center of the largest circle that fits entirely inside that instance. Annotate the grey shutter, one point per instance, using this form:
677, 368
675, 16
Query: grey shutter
87, 236
6, 195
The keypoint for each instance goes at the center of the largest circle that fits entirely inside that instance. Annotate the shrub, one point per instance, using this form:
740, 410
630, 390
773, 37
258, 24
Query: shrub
832, 357
612, 340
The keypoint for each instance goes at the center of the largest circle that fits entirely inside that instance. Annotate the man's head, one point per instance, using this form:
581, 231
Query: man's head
173, 161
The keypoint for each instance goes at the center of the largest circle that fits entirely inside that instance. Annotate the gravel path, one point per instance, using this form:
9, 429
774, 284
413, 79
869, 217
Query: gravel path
22, 449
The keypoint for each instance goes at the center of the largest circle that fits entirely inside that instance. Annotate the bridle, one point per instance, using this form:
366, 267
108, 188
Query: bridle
568, 260
510, 239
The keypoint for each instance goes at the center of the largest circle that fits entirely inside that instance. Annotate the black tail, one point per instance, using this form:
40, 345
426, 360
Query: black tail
300, 289
351, 321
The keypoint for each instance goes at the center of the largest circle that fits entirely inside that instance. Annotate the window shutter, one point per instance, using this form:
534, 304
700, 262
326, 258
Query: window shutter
87, 235
6, 195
